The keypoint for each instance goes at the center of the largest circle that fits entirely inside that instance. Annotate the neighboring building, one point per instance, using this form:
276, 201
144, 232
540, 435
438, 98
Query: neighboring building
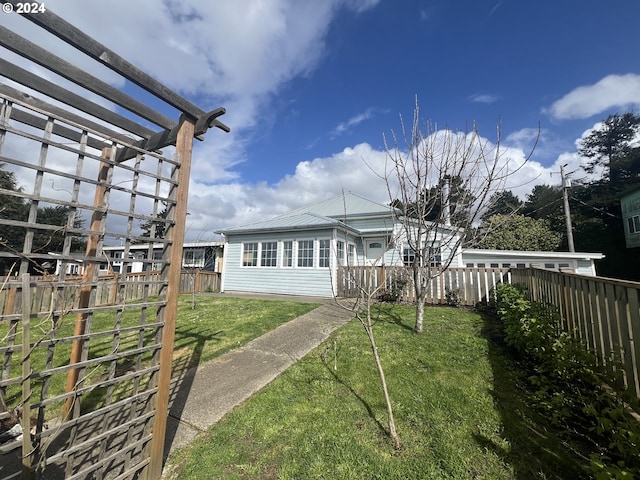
299, 253
630, 206
195, 255
576, 262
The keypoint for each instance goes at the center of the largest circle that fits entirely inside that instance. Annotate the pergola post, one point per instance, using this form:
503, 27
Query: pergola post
184, 148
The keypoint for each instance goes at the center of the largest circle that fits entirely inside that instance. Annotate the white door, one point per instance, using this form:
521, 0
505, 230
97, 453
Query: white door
374, 250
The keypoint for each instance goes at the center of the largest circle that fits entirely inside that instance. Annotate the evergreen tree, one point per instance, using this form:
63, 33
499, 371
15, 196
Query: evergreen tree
53, 240
460, 202
160, 226
502, 203
614, 148
11, 208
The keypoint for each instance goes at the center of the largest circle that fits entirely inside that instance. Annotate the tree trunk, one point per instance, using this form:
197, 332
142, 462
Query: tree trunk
419, 315
392, 424
419, 291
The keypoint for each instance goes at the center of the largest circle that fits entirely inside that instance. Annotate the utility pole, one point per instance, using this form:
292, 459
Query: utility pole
566, 184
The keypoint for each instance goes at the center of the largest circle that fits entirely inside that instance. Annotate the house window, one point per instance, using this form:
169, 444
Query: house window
375, 245
408, 256
352, 254
157, 257
435, 256
324, 247
506, 265
549, 265
469, 265
249, 254
494, 265
269, 254
287, 253
340, 251
193, 258
521, 265
563, 265
481, 265
634, 224
305, 253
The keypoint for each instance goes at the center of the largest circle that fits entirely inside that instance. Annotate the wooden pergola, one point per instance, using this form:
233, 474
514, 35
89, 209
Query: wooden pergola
62, 137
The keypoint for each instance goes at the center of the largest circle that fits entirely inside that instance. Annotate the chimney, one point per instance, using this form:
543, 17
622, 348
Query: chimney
446, 213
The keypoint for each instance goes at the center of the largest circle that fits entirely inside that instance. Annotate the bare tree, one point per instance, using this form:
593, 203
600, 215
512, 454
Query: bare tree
366, 294
440, 183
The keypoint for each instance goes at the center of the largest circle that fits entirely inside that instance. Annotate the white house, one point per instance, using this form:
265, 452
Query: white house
299, 253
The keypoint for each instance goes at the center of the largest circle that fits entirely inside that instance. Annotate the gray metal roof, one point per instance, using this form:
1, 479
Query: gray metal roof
348, 204
288, 222
326, 213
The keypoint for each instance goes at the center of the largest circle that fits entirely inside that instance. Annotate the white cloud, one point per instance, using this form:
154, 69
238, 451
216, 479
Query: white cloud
232, 54
352, 122
524, 138
357, 169
611, 92
484, 98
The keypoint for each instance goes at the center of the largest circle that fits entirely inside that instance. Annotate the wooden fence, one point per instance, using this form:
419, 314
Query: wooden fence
110, 290
468, 285
603, 312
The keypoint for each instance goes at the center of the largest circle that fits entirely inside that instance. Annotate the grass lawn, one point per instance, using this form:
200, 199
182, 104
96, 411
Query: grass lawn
215, 326
458, 411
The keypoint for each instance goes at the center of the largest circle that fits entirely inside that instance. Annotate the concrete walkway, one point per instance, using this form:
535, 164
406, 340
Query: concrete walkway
203, 395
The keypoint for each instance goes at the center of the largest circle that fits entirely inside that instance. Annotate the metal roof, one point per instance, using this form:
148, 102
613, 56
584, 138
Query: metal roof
325, 214
302, 221
536, 254
344, 205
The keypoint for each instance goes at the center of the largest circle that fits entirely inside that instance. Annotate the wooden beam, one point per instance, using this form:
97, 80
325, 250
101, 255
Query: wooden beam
31, 51
83, 42
184, 149
59, 130
52, 90
70, 406
168, 137
13, 94
27, 446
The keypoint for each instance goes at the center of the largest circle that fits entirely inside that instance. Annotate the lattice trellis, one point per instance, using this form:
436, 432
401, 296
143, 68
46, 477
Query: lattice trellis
91, 383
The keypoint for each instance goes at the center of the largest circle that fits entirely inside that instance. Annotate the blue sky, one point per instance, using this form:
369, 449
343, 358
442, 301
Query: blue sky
310, 86
466, 61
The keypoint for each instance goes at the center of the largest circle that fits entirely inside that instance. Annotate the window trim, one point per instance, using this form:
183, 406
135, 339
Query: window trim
287, 254
272, 260
340, 252
324, 253
306, 255
243, 256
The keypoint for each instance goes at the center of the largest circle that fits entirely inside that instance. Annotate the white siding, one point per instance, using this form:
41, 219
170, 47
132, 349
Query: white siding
314, 281
371, 224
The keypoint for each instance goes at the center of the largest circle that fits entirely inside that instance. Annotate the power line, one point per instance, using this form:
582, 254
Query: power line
600, 210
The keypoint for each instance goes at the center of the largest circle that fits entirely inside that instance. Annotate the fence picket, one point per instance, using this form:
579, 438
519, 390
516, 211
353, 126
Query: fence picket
473, 285
109, 290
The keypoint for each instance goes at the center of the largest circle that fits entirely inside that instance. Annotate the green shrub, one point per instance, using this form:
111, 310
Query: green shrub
568, 386
452, 297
